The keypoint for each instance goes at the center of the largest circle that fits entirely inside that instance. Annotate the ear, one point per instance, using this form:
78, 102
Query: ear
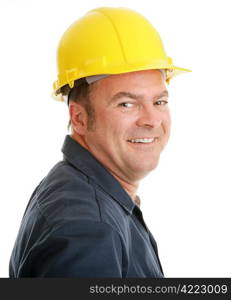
78, 117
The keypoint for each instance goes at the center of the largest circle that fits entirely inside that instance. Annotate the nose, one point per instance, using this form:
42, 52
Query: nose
149, 117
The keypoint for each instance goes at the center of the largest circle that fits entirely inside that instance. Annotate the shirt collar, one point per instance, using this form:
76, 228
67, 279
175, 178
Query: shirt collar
83, 160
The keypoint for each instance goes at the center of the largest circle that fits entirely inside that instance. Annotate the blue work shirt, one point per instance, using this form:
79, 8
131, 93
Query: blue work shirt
80, 222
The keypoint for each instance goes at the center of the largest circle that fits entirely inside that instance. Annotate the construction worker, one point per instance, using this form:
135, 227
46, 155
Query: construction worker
84, 218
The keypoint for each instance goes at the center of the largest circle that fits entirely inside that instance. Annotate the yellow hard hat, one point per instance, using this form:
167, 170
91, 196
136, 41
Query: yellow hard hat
110, 41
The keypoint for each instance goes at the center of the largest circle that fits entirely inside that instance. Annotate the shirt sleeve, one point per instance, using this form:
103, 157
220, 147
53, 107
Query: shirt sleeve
81, 249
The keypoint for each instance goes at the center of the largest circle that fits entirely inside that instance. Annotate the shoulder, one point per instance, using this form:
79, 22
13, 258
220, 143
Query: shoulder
66, 194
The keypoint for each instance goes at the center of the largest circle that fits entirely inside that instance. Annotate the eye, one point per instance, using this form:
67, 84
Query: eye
126, 104
161, 102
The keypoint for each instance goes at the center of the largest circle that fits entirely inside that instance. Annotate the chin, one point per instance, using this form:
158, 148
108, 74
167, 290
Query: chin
143, 170
153, 163
152, 166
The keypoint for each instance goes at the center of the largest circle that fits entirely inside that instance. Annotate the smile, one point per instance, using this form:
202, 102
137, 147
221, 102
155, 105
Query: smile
143, 140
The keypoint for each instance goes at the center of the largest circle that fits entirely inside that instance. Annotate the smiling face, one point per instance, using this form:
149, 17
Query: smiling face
132, 123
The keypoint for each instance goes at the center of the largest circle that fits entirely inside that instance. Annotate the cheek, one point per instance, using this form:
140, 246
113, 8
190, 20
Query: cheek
107, 131
166, 126
167, 121
114, 123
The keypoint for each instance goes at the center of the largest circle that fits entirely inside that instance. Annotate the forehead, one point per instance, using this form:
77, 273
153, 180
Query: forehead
148, 82
153, 77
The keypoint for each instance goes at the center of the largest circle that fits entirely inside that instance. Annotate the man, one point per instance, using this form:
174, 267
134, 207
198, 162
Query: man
84, 219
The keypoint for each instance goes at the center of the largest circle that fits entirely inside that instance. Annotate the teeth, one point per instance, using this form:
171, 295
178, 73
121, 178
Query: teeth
142, 140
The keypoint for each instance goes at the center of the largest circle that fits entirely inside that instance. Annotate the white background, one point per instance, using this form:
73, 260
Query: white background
186, 200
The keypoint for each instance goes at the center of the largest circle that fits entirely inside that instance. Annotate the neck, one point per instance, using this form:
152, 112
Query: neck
130, 188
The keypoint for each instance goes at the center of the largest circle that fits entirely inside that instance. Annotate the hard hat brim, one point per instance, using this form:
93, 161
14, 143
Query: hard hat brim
171, 71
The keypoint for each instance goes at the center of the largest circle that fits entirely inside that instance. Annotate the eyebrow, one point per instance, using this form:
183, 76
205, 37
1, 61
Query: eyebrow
122, 94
